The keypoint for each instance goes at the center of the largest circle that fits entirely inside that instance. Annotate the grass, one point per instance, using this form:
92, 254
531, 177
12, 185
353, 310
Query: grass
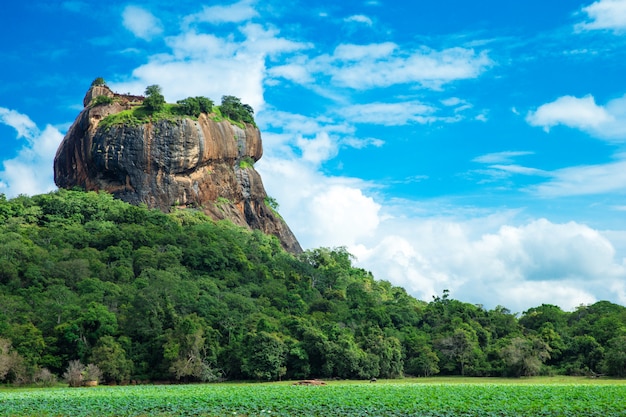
139, 115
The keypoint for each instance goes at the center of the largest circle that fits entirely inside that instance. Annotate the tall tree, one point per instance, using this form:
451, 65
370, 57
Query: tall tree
154, 100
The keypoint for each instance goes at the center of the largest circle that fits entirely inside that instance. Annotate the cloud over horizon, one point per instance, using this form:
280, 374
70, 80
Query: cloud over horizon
23, 174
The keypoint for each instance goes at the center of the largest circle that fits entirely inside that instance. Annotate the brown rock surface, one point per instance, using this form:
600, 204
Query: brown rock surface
166, 164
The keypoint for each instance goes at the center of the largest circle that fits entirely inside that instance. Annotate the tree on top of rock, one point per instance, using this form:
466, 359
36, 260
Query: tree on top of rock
154, 99
232, 108
98, 82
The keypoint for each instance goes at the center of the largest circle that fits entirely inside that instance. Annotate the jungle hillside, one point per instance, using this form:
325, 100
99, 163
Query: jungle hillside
148, 296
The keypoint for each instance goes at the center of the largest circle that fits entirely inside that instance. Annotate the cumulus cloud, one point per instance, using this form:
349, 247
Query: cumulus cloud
515, 266
605, 122
322, 211
605, 14
25, 127
141, 22
30, 171
199, 59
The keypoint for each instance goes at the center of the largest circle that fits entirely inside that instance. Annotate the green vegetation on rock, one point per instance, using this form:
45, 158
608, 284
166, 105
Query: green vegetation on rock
246, 162
102, 100
155, 108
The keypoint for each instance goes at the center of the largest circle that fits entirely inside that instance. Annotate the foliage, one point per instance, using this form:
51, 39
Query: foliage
155, 108
524, 357
10, 360
43, 377
77, 374
271, 203
99, 81
410, 398
232, 108
73, 375
110, 357
246, 162
154, 100
102, 100
194, 106
144, 295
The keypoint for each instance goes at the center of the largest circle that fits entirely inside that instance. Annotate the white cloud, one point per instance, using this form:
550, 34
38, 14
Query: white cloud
234, 13
426, 67
500, 157
515, 266
25, 127
389, 114
30, 171
605, 122
585, 180
322, 211
359, 18
378, 65
518, 169
196, 60
141, 22
317, 150
605, 14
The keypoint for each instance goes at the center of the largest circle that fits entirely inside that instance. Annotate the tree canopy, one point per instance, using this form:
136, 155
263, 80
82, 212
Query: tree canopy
146, 295
234, 109
154, 100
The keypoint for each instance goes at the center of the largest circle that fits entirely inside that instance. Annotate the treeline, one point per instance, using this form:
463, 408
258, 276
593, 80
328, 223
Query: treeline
150, 296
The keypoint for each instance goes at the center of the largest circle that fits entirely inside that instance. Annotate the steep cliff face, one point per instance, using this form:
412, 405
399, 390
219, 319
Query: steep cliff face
170, 163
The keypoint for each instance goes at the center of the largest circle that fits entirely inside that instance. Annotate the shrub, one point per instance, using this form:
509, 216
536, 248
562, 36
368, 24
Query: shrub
92, 373
73, 375
77, 374
246, 162
235, 110
194, 106
44, 377
154, 100
102, 100
98, 81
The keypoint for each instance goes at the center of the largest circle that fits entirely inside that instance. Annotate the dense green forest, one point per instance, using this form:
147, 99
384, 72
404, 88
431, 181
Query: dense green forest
145, 295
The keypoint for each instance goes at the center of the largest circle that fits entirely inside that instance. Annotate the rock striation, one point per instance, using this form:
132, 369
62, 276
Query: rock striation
167, 164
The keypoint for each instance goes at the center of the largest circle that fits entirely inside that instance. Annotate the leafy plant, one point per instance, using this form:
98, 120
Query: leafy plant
246, 162
102, 100
98, 82
271, 203
194, 106
235, 110
73, 375
154, 100
91, 372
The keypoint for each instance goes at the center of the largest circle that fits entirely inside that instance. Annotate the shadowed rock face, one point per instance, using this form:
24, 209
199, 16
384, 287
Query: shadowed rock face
166, 164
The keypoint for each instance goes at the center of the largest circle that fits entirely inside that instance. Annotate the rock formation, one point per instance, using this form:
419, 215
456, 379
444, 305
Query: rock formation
168, 164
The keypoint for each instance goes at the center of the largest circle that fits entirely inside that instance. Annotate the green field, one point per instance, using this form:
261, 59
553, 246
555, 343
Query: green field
434, 397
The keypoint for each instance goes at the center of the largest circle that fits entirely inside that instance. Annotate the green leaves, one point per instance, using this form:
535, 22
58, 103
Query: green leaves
336, 399
234, 109
154, 100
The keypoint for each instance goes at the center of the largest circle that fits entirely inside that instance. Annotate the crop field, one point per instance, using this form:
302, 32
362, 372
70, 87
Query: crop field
335, 399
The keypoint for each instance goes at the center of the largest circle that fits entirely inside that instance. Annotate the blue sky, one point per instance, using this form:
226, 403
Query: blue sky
471, 146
